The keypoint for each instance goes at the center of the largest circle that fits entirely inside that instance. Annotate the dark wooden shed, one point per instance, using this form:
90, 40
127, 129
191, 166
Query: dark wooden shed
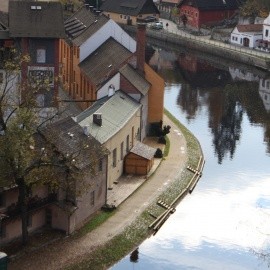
140, 159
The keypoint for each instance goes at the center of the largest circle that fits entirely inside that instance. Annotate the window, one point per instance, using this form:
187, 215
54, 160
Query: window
41, 56
92, 198
122, 150
266, 32
127, 146
114, 157
132, 136
40, 99
100, 163
267, 84
138, 134
1, 77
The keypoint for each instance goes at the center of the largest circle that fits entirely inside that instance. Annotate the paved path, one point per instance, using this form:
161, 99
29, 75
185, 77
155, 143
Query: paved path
60, 254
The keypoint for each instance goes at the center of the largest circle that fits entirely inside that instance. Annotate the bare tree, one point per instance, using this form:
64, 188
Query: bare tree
27, 157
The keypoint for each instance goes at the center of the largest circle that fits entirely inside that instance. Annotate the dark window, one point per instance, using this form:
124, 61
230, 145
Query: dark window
100, 163
114, 157
127, 146
266, 32
122, 150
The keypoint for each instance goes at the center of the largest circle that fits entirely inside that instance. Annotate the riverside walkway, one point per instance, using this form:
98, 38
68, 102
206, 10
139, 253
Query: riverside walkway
62, 253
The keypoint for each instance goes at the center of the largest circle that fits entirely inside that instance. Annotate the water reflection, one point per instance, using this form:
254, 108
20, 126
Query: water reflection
224, 224
227, 94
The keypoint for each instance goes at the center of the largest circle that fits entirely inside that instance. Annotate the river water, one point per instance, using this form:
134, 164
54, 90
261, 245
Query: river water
225, 222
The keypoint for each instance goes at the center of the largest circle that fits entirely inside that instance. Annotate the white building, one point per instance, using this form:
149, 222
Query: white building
247, 35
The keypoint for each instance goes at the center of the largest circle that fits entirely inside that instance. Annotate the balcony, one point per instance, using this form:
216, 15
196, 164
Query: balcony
34, 203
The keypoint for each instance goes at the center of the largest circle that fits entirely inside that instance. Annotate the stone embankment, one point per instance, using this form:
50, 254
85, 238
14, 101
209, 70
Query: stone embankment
203, 43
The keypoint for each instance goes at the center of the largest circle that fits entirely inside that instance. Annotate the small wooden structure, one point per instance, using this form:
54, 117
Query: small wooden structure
140, 159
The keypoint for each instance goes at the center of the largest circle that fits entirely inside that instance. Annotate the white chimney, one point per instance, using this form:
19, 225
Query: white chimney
86, 130
111, 90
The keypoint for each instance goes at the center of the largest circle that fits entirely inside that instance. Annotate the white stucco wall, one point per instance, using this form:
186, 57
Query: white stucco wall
110, 29
238, 38
103, 91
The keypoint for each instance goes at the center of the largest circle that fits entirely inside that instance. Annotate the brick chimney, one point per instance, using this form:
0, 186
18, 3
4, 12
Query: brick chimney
140, 49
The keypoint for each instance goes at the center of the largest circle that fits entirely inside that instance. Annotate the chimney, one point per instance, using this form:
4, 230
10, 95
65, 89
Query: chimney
111, 90
86, 130
97, 119
140, 49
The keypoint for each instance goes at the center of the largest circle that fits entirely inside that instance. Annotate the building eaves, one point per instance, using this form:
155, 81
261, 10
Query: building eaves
36, 19
105, 61
83, 24
70, 140
143, 150
250, 28
212, 4
139, 82
115, 111
130, 7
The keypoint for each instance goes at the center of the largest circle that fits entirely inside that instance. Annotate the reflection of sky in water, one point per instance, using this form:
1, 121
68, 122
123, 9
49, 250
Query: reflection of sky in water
226, 217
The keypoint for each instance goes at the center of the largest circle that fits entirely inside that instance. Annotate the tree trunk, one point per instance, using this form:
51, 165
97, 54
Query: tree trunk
23, 207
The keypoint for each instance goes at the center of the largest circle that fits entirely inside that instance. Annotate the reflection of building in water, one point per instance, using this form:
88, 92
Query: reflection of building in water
243, 75
200, 73
162, 59
264, 91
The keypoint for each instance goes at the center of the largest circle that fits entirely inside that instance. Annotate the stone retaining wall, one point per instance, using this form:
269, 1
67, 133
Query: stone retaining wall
239, 54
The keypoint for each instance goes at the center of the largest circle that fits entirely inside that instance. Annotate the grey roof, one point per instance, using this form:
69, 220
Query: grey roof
143, 150
69, 139
116, 111
212, 4
3, 20
105, 61
36, 19
4, 32
135, 79
130, 7
83, 24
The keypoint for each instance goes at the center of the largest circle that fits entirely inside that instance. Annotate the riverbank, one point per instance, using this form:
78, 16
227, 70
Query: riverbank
173, 35
128, 226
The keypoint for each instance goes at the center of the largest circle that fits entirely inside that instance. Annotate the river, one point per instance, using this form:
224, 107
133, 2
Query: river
225, 222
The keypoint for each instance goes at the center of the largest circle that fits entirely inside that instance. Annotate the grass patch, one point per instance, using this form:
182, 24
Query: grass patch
167, 147
96, 221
